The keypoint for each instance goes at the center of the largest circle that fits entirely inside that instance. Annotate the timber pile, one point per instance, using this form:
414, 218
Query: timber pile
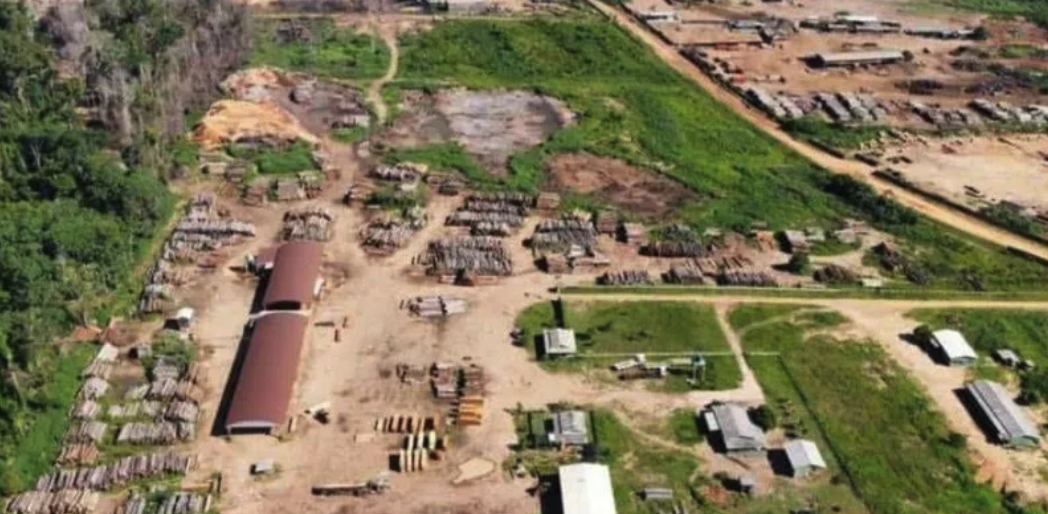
491, 214
717, 264
86, 432
564, 233
162, 389
409, 374
62, 502
182, 411
674, 249
162, 433
497, 201
186, 391
93, 389
185, 503
385, 237
488, 228
607, 222
746, 278
835, 274
687, 274
895, 261
481, 256
402, 172
78, 454
625, 278
118, 473
399, 424
148, 409
86, 410
469, 411
137, 393
166, 369
444, 378
437, 306
98, 369
472, 383
312, 224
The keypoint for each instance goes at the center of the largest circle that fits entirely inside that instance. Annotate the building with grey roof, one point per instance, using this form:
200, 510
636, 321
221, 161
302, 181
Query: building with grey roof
826, 60
804, 457
737, 432
557, 342
569, 428
953, 348
1001, 417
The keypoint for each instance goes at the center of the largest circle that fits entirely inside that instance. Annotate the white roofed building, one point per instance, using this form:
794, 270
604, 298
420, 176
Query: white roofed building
952, 346
585, 488
804, 457
558, 342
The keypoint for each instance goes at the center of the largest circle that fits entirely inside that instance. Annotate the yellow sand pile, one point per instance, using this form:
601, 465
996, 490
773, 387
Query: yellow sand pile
229, 121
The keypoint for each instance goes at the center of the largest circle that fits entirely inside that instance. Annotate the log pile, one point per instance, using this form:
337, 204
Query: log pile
444, 378
835, 274
717, 264
149, 409
61, 502
468, 411
472, 383
385, 237
437, 306
488, 228
674, 249
686, 274
746, 278
166, 369
480, 256
185, 503
86, 432
564, 233
401, 423
137, 393
118, 473
98, 369
625, 278
78, 454
311, 223
607, 222
402, 172
182, 411
162, 433
86, 410
93, 389
492, 214
895, 261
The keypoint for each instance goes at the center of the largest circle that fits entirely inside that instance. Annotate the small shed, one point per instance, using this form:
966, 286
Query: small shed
1007, 357
184, 318
632, 233
953, 348
795, 241
737, 432
558, 342
804, 457
569, 428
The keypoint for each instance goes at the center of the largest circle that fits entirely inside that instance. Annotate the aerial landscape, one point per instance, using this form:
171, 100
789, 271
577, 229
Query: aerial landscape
523, 256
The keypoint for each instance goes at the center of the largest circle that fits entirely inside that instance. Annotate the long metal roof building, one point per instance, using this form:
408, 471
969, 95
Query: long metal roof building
585, 488
264, 387
848, 58
1009, 423
739, 433
293, 281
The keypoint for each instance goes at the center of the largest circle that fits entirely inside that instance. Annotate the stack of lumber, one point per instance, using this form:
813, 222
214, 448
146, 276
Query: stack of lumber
492, 214
137, 393
182, 411
717, 264
162, 389
564, 233
472, 381
747, 278
86, 410
163, 273
445, 380
490, 228
674, 249
437, 306
625, 278
833, 274
463, 218
401, 172
185, 503
469, 411
607, 222
78, 454
632, 232
688, 274
86, 432
118, 473
400, 423
547, 201
188, 392
311, 223
499, 202
150, 433
166, 369
385, 237
556, 263
149, 409
98, 369
473, 255
61, 502
895, 261
93, 389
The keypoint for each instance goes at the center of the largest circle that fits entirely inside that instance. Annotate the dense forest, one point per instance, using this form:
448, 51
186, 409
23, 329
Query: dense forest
91, 97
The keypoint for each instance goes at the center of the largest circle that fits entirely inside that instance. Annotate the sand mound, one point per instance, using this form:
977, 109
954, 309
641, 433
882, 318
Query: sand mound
241, 82
616, 182
229, 121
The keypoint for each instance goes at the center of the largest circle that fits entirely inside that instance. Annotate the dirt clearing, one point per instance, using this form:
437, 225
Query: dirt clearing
490, 125
229, 121
616, 182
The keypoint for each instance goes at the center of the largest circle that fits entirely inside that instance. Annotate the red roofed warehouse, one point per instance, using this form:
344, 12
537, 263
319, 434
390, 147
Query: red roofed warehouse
263, 391
294, 282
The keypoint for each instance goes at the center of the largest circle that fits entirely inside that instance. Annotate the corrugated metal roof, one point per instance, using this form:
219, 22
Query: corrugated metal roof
738, 431
570, 427
585, 488
268, 373
877, 55
803, 453
1009, 420
559, 340
953, 344
294, 276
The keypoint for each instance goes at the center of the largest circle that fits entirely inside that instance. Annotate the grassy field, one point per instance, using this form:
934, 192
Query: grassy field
328, 51
987, 330
1034, 10
271, 161
636, 327
837, 136
36, 451
871, 419
633, 107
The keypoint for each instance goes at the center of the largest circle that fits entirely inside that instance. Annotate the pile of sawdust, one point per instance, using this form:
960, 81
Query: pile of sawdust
229, 121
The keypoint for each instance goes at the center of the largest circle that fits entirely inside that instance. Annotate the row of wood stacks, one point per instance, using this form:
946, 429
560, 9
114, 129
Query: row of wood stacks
401, 172
674, 249
491, 214
564, 233
156, 433
747, 278
468, 411
576, 258
407, 424
78, 455
144, 409
117, 473
625, 278
310, 223
458, 259
835, 274
356, 193
451, 381
685, 274
894, 261
383, 237
437, 306
175, 503
70, 501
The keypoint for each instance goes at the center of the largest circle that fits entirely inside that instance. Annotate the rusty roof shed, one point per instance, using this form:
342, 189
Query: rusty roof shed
293, 282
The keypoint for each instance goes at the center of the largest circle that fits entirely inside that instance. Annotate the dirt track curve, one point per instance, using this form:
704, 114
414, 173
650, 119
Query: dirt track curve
374, 94
940, 213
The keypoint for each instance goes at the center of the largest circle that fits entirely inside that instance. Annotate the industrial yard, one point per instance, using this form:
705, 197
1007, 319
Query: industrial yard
550, 274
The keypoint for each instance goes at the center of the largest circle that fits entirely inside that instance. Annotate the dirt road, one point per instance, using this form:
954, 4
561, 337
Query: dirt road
386, 31
940, 213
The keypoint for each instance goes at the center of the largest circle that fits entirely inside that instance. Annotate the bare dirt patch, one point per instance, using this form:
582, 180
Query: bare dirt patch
490, 125
616, 182
229, 121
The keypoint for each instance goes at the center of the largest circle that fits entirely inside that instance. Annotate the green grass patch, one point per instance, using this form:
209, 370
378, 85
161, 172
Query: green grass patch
443, 157
746, 315
628, 328
633, 107
987, 330
887, 293
324, 50
296, 158
833, 246
683, 427
32, 452
1033, 10
882, 433
350, 135
838, 136
820, 319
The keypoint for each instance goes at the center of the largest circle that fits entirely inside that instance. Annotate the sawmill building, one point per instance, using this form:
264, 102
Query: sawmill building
295, 280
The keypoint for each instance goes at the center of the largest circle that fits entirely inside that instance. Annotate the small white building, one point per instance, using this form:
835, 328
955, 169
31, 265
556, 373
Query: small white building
804, 457
558, 342
585, 488
953, 347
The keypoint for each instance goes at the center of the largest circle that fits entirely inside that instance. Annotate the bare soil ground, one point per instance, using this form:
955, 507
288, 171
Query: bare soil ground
1014, 168
616, 182
233, 120
490, 125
